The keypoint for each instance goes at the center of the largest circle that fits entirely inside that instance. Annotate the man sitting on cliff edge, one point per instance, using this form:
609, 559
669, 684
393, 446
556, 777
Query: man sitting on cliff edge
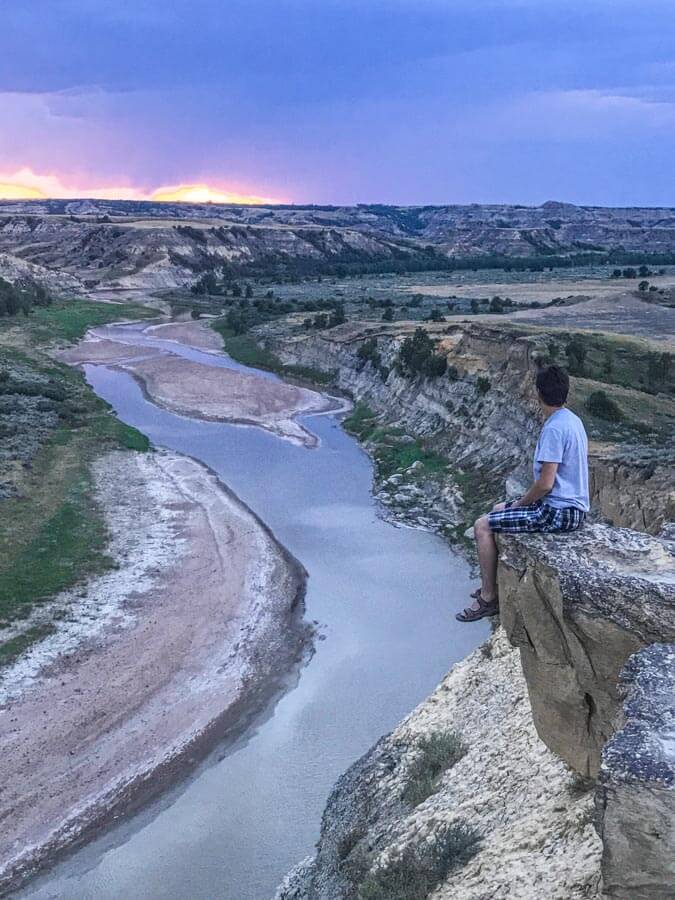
556, 501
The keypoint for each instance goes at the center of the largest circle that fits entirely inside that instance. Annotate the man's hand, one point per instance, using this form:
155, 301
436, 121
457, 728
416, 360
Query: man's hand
498, 507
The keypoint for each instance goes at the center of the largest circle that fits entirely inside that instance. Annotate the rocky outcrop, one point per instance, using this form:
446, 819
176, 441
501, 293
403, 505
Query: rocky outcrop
129, 254
634, 489
482, 415
578, 606
636, 793
532, 816
488, 425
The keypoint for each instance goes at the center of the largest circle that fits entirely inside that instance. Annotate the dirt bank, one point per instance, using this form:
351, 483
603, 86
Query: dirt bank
196, 625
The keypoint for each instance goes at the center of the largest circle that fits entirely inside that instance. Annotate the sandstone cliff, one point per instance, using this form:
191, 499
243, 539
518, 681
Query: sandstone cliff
577, 607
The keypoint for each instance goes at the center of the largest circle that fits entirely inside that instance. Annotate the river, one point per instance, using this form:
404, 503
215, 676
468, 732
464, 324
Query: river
384, 598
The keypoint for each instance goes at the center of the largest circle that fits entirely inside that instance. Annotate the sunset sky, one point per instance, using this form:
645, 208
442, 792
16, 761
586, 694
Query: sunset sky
340, 101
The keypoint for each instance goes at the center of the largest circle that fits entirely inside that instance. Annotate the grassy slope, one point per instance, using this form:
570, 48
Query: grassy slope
245, 349
52, 534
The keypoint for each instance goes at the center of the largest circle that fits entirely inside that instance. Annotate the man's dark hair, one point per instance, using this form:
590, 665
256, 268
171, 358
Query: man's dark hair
553, 384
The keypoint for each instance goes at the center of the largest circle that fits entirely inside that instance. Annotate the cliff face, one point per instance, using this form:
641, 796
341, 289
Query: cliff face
634, 493
483, 415
636, 791
159, 254
578, 606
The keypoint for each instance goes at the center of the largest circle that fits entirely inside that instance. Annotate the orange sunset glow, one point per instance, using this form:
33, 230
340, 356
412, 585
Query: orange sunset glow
24, 184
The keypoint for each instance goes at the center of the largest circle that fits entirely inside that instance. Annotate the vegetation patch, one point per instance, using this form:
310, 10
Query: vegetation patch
12, 649
437, 753
69, 320
53, 426
417, 356
601, 405
612, 359
67, 545
21, 297
246, 350
393, 450
420, 869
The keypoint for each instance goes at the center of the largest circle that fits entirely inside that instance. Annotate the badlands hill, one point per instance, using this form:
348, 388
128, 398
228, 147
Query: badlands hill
130, 245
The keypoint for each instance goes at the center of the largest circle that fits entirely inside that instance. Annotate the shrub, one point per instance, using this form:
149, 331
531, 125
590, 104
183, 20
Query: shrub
419, 870
576, 355
21, 296
483, 384
417, 356
601, 405
368, 352
439, 752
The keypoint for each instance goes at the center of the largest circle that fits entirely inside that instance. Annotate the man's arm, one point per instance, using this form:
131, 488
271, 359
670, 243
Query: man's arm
541, 487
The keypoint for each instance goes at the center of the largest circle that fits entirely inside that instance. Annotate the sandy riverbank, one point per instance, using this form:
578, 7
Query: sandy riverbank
206, 392
197, 625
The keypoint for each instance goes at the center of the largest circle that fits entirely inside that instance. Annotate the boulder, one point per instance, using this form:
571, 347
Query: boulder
636, 786
578, 605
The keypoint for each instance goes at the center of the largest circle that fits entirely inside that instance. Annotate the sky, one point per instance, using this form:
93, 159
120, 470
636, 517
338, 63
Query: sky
340, 101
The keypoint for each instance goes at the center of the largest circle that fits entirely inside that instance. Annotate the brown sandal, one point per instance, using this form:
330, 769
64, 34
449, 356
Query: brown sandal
484, 609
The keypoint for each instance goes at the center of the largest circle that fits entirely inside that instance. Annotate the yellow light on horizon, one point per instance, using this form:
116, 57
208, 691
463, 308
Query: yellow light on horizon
202, 193
25, 184
10, 191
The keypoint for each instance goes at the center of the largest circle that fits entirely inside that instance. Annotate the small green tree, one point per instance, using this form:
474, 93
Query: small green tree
576, 355
417, 356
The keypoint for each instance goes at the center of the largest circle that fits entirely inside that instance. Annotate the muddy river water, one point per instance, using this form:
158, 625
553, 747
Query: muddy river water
384, 598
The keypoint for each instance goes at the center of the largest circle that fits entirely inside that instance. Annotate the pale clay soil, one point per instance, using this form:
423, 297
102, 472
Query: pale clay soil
207, 392
538, 839
149, 658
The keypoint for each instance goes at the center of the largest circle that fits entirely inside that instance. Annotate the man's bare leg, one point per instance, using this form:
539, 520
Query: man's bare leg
487, 558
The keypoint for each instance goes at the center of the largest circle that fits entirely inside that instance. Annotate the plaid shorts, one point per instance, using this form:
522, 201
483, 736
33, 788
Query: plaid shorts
536, 517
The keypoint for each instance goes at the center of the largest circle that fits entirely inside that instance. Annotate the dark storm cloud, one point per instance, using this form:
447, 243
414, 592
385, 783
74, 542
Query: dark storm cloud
339, 100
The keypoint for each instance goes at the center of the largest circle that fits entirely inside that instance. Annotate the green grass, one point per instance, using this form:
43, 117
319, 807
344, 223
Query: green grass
68, 320
438, 753
68, 544
246, 350
53, 535
52, 532
361, 422
614, 413
392, 451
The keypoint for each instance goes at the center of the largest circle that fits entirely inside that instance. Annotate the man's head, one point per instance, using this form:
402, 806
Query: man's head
553, 385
